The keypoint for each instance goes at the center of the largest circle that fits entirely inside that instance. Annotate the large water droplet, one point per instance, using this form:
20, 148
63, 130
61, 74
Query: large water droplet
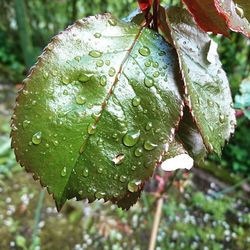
64, 172
37, 138
95, 53
134, 185
138, 152
131, 138
149, 145
148, 81
80, 99
144, 51
136, 101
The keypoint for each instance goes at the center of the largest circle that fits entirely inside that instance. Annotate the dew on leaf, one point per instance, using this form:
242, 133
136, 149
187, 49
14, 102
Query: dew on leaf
80, 100
149, 126
37, 138
131, 138
103, 80
134, 185
149, 82
133, 167
144, 51
118, 159
107, 62
100, 195
64, 172
26, 123
85, 77
77, 58
100, 170
149, 145
123, 178
85, 172
156, 74
65, 80
100, 63
147, 63
136, 101
222, 118
138, 152
97, 35
91, 129
95, 53
111, 71
155, 64
112, 22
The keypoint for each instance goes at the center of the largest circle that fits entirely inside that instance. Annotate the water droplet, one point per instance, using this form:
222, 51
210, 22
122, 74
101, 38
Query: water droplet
118, 159
144, 51
210, 103
107, 62
134, 185
222, 118
100, 195
100, 63
149, 126
45, 75
103, 80
65, 80
37, 138
123, 178
77, 58
156, 74
131, 138
91, 129
65, 92
116, 176
95, 53
112, 22
133, 167
26, 123
100, 170
85, 172
148, 81
138, 152
64, 172
149, 145
111, 71
155, 64
85, 77
80, 99
97, 35
136, 101
147, 64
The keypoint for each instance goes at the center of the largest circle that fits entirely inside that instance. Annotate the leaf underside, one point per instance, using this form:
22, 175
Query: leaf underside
219, 16
96, 111
207, 92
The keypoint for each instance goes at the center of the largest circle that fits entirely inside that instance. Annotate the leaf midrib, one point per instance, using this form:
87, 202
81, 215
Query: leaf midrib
103, 106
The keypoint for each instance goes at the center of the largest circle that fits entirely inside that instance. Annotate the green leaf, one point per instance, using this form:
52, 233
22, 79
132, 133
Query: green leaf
189, 136
207, 91
97, 109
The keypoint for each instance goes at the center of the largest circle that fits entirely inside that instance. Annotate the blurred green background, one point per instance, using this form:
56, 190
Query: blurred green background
205, 209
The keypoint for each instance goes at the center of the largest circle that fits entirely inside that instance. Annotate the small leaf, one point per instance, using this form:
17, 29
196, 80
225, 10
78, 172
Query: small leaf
207, 91
100, 103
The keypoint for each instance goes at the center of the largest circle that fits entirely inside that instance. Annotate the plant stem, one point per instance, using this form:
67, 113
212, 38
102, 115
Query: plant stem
156, 223
37, 219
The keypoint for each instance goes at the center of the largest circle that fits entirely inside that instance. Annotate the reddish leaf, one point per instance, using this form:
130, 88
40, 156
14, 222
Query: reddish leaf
206, 16
218, 16
236, 14
145, 5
